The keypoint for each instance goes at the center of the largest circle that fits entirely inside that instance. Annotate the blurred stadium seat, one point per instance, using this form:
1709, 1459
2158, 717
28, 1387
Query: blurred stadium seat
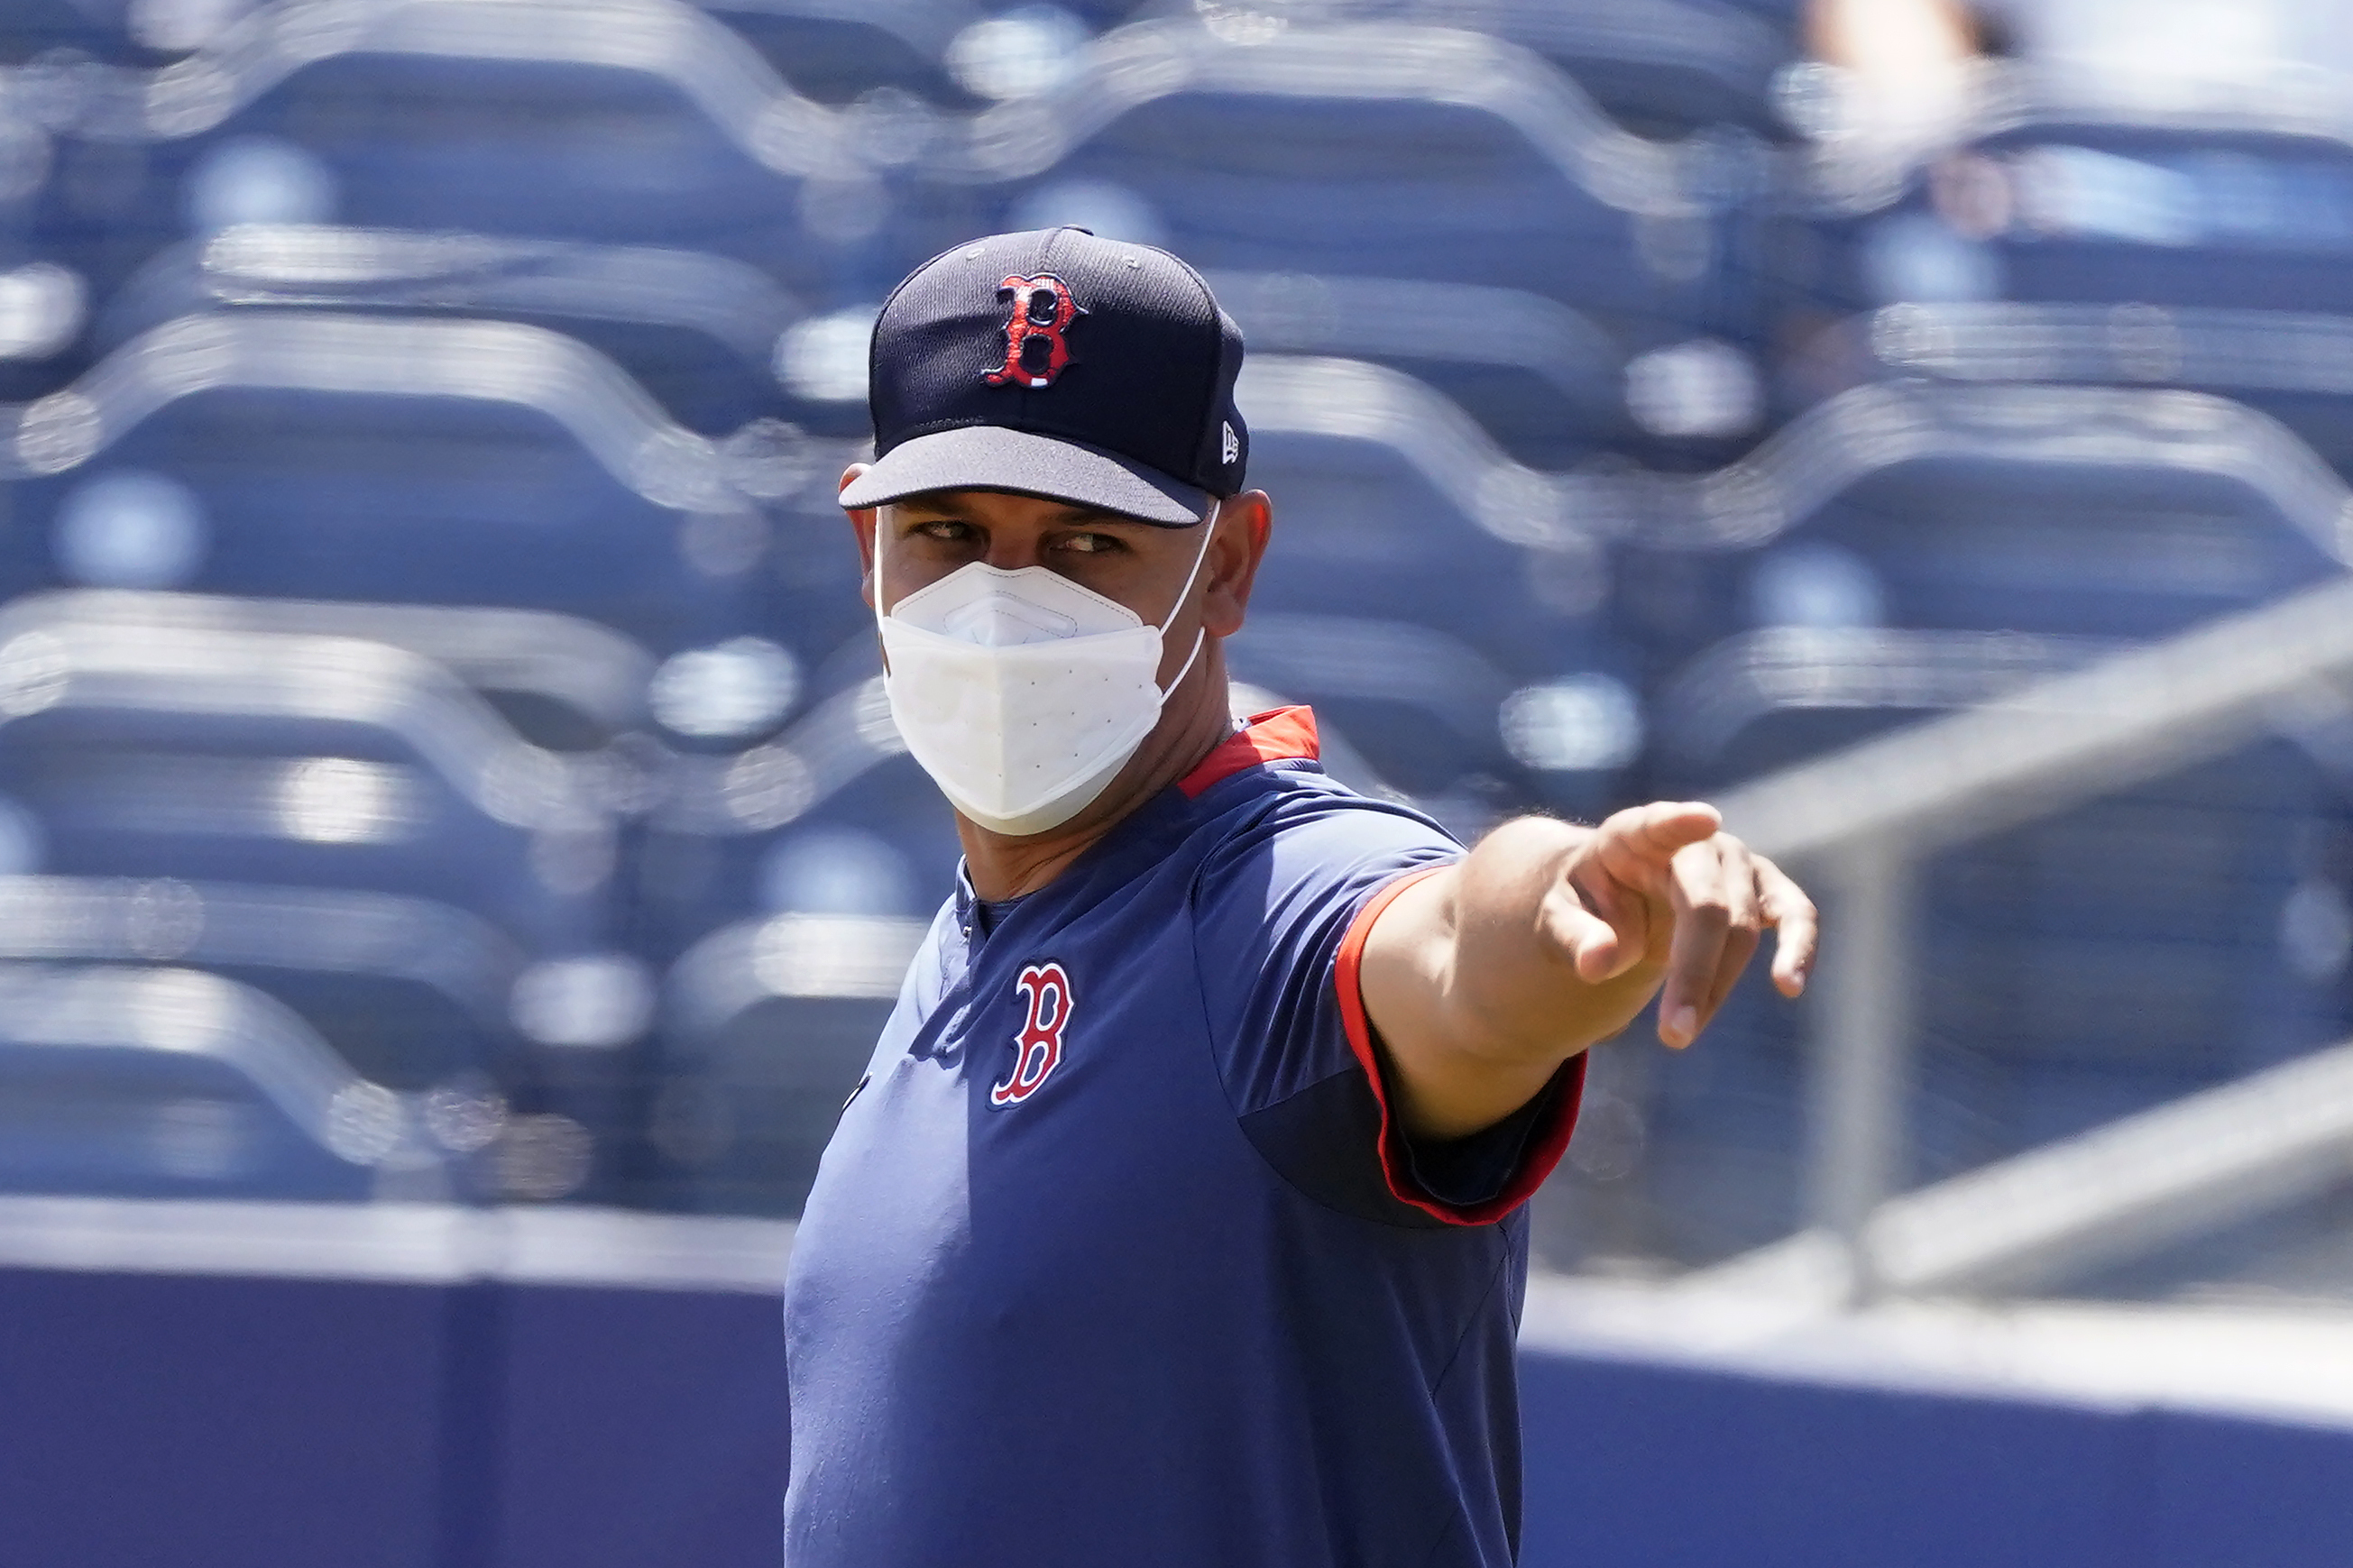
2057, 512
1764, 698
769, 1023
1423, 580
613, 120
1396, 501
1541, 379
166, 1082
1433, 700
307, 762
2294, 365
563, 683
408, 992
1660, 67
473, 462
38, 31
698, 331
1406, 152
830, 817
846, 51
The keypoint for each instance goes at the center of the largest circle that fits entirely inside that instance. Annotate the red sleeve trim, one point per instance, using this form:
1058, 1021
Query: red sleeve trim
1276, 735
1546, 1143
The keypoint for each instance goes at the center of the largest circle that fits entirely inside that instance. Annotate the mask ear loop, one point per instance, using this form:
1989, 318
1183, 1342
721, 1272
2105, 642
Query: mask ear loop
882, 633
1200, 634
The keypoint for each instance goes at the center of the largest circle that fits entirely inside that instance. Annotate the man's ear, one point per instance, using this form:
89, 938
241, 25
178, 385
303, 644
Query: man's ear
861, 525
1244, 524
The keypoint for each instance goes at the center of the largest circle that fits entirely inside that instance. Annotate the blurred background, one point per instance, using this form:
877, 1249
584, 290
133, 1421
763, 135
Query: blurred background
455, 857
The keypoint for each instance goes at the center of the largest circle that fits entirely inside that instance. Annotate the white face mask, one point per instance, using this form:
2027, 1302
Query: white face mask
1021, 693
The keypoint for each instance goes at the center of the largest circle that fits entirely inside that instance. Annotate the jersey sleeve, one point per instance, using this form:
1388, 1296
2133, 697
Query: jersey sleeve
1281, 915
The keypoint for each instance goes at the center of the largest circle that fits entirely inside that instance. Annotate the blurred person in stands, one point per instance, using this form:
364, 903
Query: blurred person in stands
1905, 70
1178, 1218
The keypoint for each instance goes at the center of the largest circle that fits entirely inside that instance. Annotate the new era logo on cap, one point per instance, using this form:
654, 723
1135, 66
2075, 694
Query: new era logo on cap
1056, 363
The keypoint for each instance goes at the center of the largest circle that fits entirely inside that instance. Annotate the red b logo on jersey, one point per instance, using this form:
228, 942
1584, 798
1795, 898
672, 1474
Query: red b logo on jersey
1037, 1048
1034, 353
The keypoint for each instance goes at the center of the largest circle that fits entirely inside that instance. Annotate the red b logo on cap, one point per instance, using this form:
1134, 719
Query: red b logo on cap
1043, 308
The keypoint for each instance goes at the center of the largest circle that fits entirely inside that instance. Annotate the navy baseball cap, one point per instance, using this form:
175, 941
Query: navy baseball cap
1054, 364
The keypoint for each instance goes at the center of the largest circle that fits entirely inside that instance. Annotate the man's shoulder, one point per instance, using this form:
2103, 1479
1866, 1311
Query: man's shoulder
1300, 824
1295, 799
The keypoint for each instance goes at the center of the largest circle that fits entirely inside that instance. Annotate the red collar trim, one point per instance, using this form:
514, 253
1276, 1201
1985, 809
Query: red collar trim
1276, 735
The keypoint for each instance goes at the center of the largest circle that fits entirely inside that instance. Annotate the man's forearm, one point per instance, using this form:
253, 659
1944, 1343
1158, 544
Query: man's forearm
1473, 991
1547, 938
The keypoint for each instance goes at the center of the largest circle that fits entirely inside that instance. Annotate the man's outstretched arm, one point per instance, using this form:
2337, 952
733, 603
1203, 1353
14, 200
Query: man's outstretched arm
1547, 938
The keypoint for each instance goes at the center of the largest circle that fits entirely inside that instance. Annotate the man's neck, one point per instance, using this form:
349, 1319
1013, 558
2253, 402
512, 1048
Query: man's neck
1193, 724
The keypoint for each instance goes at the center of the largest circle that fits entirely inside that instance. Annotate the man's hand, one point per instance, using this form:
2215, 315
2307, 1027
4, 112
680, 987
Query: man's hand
1547, 938
1659, 889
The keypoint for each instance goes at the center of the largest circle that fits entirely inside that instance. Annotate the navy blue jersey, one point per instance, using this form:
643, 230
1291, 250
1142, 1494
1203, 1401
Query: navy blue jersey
1115, 1257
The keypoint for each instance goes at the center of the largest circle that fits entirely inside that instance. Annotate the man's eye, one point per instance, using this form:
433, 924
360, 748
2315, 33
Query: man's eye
1090, 543
945, 528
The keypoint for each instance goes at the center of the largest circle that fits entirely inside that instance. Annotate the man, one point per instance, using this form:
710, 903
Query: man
1177, 1218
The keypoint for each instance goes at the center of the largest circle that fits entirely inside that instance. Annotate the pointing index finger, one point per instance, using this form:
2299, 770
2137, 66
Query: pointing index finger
1656, 831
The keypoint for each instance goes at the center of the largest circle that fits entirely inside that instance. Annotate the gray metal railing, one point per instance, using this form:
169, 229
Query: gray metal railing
1860, 823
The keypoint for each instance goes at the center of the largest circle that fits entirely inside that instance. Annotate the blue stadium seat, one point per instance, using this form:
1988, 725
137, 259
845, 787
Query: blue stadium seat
698, 331
562, 683
2073, 976
1773, 697
831, 817
408, 993
613, 120
1548, 382
2054, 512
1441, 566
2065, 192
2119, 514
60, 33
1378, 150
146, 752
1392, 502
342, 825
767, 1025
2109, 212
2145, 946
1107, 13
161, 1082
481, 463
839, 51
1662, 67
1426, 702
2293, 365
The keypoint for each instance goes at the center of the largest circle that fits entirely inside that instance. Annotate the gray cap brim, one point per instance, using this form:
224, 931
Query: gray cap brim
992, 458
